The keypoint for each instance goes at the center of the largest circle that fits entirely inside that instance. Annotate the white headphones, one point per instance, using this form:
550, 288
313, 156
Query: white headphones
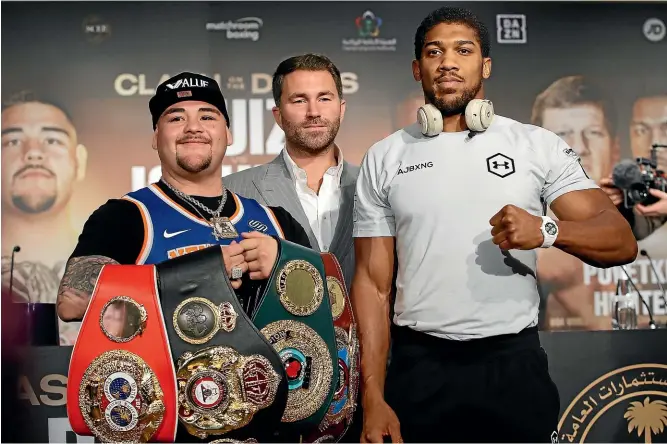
479, 114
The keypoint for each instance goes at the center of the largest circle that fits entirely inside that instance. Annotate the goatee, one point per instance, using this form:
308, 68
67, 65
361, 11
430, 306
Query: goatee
455, 106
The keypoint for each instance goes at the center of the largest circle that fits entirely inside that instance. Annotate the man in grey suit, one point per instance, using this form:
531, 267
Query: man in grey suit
309, 178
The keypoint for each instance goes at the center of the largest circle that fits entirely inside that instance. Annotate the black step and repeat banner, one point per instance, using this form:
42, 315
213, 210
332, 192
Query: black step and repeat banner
592, 72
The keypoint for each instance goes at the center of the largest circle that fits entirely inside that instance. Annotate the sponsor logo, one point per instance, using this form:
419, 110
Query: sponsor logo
511, 28
636, 395
500, 165
368, 31
257, 225
176, 233
411, 168
570, 152
654, 29
189, 83
96, 29
246, 28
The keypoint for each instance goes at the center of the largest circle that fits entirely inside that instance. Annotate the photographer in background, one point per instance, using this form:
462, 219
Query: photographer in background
648, 126
644, 219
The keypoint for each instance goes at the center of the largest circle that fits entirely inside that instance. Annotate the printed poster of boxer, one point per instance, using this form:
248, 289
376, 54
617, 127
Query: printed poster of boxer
78, 76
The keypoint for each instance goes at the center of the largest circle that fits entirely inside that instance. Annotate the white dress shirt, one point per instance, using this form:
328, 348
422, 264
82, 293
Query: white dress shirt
321, 209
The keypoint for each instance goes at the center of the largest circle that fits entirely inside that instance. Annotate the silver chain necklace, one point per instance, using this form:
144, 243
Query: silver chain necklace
223, 228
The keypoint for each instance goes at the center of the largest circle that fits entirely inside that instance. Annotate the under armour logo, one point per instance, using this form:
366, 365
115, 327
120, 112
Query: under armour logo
500, 165
505, 165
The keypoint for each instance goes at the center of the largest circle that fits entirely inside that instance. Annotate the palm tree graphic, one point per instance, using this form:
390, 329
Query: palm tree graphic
649, 418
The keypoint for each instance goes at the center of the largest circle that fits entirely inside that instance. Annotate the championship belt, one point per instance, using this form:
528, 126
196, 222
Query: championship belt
295, 316
121, 385
228, 374
339, 415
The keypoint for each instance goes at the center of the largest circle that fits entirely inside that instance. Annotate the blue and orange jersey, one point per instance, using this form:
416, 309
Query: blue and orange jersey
170, 230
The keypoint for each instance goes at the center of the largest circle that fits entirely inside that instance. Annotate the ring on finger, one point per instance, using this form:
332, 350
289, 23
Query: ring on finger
237, 272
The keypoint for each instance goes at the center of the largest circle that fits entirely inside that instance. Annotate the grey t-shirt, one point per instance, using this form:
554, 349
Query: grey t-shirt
436, 197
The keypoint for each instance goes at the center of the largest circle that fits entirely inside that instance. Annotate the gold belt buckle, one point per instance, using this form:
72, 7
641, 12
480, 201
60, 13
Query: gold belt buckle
120, 398
220, 390
307, 363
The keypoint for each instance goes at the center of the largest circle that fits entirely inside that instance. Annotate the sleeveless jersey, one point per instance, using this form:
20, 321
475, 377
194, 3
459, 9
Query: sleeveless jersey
171, 231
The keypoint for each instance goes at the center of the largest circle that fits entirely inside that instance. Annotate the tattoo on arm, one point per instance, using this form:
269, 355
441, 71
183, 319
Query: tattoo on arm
81, 275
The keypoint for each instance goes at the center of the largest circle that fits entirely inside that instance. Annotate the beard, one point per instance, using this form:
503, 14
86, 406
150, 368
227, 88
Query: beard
34, 204
456, 105
311, 142
194, 166
194, 163
34, 196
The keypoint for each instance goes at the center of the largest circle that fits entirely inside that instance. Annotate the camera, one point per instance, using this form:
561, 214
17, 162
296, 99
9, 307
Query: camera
651, 177
636, 179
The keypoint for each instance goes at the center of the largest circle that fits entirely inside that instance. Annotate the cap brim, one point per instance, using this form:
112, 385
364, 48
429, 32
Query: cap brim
161, 102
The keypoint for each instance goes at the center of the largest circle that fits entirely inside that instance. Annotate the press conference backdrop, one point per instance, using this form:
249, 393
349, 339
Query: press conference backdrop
100, 63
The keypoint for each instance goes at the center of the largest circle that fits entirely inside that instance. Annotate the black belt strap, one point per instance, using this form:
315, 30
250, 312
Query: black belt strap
202, 274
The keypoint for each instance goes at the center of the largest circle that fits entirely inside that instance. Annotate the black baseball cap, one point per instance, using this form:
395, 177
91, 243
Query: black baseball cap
186, 86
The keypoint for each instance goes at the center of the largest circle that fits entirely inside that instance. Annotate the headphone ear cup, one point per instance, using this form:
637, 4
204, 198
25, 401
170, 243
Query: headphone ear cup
487, 114
430, 120
479, 114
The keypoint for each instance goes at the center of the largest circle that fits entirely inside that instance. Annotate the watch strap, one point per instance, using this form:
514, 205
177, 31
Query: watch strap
549, 239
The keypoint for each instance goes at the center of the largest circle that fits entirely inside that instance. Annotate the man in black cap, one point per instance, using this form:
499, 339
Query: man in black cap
187, 210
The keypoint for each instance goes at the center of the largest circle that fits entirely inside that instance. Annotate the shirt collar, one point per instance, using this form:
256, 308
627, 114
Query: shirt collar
298, 173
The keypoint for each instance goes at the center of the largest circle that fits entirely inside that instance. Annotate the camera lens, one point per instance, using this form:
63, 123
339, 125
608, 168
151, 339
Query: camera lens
638, 193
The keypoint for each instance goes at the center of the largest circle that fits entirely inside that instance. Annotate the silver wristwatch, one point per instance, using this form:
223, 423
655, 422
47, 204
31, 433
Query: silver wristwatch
549, 230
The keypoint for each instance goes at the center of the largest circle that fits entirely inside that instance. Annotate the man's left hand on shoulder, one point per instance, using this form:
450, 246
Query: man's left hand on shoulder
261, 252
515, 228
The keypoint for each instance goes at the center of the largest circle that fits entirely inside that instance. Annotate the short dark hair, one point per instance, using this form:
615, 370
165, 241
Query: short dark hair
573, 90
305, 62
448, 14
28, 96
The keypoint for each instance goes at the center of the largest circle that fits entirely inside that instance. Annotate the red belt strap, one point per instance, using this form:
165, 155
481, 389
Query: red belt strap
339, 415
137, 282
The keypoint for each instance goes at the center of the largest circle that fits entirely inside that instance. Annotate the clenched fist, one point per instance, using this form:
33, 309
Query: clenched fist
515, 228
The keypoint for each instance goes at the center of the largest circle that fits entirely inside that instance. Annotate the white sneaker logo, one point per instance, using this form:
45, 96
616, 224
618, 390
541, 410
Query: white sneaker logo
176, 233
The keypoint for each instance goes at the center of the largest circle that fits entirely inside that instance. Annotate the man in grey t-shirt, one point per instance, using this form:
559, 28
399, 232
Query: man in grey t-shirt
465, 211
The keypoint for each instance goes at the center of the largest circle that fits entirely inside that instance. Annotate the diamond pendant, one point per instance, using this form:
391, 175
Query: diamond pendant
223, 228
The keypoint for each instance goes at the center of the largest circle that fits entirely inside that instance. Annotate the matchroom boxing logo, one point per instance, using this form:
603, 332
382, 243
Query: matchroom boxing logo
627, 401
246, 28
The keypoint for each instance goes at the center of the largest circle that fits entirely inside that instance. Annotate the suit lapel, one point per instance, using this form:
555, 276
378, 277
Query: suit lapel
277, 188
340, 243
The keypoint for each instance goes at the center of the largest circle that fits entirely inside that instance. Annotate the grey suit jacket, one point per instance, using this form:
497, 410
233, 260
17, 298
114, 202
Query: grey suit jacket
272, 184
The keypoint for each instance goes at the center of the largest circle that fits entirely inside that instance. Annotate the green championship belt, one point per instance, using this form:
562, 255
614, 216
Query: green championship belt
295, 316
230, 380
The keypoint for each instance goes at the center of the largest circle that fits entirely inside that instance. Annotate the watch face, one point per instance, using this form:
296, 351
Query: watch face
551, 228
